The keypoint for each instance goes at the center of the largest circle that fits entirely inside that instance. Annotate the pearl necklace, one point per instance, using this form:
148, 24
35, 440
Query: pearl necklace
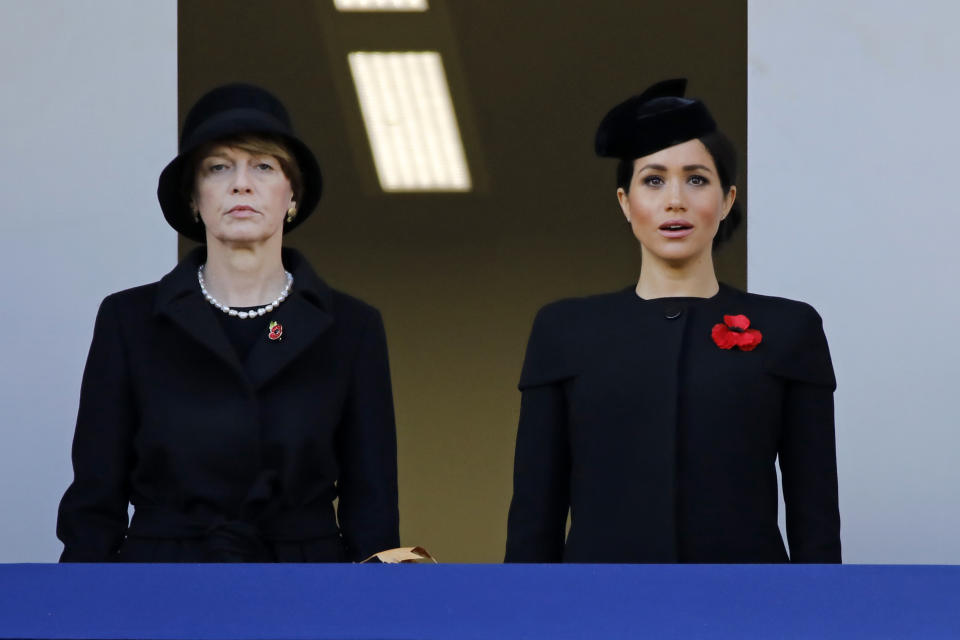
253, 313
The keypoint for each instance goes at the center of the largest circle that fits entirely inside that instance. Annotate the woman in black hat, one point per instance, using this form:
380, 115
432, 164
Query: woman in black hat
234, 400
655, 415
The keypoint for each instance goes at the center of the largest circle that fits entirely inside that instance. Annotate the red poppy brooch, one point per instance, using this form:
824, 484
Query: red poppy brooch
276, 331
736, 332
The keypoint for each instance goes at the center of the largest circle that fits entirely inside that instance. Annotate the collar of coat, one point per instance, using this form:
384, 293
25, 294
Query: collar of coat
182, 280
305, 315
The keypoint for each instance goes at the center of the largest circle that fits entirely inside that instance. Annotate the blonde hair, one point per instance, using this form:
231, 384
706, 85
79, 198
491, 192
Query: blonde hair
251, 143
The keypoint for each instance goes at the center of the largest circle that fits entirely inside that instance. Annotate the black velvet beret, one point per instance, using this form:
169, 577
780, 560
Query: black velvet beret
224, 112
658, 118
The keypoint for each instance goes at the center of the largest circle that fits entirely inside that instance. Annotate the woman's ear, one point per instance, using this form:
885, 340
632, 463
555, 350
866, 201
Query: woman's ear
624, 199
728, 201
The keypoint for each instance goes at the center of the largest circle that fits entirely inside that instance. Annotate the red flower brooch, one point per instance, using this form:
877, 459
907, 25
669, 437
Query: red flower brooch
736, 332
276, 331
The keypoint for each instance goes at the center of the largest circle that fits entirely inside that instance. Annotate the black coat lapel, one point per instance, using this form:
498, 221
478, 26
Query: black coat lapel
302, 322
194, 315
304, 316
179, 299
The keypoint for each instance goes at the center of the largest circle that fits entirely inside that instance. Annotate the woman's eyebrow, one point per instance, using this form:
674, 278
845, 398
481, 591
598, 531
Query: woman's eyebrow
655, 167
688, 167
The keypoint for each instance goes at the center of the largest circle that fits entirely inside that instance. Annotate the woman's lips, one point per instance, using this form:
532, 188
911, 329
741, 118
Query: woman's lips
242, 211
675, 229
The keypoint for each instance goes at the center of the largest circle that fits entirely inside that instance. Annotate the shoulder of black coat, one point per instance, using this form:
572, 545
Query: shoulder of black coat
778, 304
346, 306
767, 309
585, 308
143, 295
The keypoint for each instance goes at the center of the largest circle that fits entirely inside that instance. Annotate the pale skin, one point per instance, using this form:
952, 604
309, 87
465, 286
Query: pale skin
242, 199
674, 206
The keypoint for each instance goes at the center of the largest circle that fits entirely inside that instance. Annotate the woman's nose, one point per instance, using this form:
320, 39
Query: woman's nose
241, 179
675, 200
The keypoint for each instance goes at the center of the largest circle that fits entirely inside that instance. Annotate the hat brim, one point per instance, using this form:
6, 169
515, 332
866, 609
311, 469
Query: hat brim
227, 124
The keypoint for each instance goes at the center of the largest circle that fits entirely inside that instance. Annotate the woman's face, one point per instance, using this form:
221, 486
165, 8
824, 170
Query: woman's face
242, 197
676, 202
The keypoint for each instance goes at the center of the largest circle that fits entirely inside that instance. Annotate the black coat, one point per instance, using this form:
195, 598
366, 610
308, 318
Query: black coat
226, 460
662, 445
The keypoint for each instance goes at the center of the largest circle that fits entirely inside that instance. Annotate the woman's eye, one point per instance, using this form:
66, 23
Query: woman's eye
653, 181
698, 180
265, 166
217, 167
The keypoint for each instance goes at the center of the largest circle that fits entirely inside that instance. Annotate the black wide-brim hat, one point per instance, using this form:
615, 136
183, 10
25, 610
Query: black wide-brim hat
226, 112
658, 118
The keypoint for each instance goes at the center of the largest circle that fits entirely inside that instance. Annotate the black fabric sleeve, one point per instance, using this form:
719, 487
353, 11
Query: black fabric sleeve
367, 452
92, 519
808, 459
541, 478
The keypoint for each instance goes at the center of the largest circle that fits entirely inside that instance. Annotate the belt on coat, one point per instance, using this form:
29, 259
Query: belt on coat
235, 539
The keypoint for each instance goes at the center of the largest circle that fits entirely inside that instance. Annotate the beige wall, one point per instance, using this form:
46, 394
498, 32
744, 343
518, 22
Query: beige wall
459, 277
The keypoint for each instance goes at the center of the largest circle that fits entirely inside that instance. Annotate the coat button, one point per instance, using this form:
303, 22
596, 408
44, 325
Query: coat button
672, 313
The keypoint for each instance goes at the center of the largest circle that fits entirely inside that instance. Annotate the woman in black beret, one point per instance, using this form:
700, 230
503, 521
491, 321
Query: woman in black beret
234, 400
655, 415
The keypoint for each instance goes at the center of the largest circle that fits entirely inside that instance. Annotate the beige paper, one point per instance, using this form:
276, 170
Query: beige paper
402, 555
